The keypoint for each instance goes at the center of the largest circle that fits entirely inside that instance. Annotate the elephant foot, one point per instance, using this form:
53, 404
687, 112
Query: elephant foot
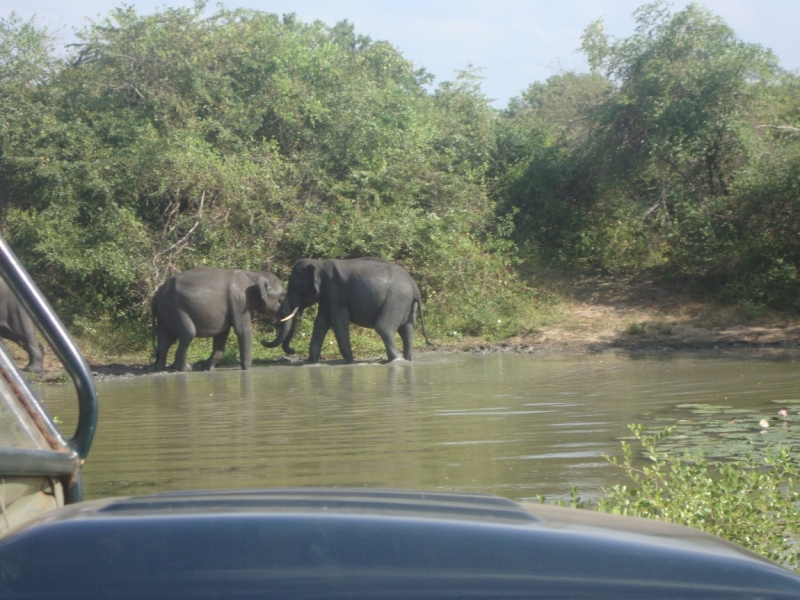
396, 360
289, 359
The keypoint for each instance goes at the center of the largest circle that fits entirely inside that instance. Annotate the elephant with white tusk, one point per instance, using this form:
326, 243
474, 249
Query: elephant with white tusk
369, 292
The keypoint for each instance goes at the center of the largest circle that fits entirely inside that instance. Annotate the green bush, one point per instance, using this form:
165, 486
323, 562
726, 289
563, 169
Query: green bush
678, 153
243, 139
751, 502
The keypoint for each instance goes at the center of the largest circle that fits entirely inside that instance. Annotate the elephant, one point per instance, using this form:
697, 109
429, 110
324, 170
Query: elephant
207, 302
369, 292
17, 326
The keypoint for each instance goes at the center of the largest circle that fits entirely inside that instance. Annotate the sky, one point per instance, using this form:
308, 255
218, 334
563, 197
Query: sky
514, 42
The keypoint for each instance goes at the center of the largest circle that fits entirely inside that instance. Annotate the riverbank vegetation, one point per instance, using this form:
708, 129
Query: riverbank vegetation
245, 139
752, 501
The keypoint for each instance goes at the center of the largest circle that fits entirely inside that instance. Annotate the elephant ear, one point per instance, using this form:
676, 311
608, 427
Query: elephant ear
314, 279
263, 288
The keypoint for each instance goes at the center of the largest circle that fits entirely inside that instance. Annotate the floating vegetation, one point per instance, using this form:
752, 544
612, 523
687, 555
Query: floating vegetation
718, 431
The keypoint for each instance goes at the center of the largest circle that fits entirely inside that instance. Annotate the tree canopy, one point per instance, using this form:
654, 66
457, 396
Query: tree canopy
678, 152
246, 139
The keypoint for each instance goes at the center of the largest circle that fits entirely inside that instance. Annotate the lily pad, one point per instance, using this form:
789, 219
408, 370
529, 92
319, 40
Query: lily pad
727, 433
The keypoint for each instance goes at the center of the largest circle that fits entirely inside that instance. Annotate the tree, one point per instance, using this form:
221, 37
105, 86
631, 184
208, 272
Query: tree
649, 172
245, 139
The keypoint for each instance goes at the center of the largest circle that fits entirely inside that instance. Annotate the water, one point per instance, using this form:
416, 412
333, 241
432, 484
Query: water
516, 426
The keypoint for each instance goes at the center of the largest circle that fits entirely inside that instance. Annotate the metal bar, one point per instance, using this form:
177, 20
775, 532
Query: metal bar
19, 386
60, 341
73, 488
23, 461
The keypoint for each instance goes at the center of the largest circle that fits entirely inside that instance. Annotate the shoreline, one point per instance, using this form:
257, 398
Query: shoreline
672, 337
550, 340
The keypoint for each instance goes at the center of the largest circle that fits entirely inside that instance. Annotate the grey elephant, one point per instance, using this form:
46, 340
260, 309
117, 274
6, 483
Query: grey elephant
208, 302
369, 292
17, 326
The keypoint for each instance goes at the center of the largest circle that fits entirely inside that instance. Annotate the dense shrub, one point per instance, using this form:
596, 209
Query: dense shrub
679, 151
167, 141
244, 139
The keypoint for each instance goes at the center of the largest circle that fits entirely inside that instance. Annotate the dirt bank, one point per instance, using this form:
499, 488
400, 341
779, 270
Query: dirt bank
635, 313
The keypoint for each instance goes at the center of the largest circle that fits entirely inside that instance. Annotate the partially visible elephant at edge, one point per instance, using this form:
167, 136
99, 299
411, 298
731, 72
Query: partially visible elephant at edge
369, 292
17, 326
208, 302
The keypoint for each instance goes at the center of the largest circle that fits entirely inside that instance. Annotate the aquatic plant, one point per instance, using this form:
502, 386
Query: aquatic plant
720, 431
752, 501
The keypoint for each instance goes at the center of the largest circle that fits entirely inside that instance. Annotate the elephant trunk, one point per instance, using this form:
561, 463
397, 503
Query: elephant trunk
287, 318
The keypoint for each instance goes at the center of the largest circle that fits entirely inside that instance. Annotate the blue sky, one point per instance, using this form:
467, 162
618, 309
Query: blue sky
516, 42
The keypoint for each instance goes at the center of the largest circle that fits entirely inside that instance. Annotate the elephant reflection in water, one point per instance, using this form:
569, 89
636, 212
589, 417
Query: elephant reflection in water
400, 381
336, 383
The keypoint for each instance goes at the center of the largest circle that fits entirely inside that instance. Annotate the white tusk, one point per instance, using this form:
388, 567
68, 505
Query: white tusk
290, 316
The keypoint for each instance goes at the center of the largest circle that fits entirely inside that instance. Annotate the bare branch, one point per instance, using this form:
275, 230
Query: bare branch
652, 208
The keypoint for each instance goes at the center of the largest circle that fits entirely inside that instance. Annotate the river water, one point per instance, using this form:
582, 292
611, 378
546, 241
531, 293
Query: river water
516, 426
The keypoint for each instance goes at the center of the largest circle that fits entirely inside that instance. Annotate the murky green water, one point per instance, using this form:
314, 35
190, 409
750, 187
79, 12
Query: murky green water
517, 426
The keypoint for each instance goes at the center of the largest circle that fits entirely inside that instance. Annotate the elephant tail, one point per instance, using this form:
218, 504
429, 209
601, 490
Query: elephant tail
418, 300
155, 326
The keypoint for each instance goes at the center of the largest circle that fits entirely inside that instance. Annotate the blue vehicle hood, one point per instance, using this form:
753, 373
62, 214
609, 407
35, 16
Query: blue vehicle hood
315, 543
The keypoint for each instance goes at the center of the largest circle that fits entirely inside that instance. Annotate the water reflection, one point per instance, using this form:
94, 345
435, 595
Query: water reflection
518, 426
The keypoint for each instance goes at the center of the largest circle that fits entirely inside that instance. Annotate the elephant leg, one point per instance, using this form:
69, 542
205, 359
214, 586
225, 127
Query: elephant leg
321, 326
386, 328
186, 333
407, 335
341, 329
165, 342
27, 340
387, 335
35, 357
218, 350
245, 334
181, 354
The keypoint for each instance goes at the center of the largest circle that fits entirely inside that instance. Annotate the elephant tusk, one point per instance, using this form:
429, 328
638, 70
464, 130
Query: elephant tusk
290, 316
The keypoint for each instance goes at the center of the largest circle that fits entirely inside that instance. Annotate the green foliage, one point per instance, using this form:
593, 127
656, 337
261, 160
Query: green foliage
752, 502
243, 139
747, 241
678, 152
545, 176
